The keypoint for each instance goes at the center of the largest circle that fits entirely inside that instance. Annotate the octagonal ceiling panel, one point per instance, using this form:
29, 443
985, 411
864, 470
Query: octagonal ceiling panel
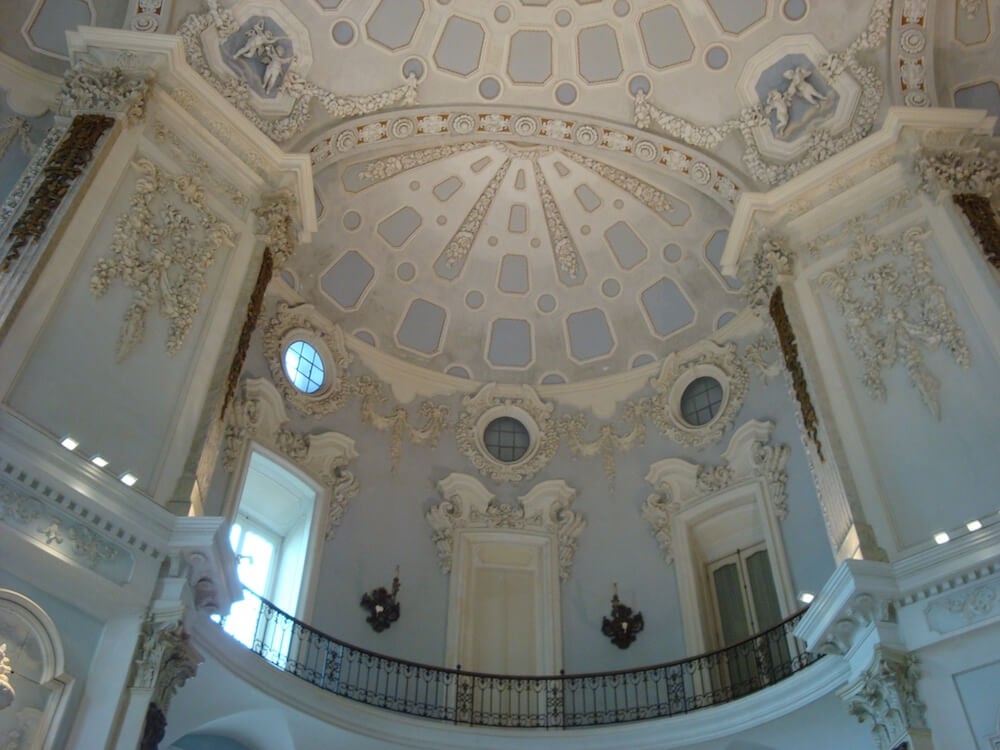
514, 262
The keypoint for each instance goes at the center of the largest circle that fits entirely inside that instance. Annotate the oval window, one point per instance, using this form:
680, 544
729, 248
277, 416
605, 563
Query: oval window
506, 439
701, 400
304, 366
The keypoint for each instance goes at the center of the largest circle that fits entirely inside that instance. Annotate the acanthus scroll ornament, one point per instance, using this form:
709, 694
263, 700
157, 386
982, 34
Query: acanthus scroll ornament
95, 89
751, 457
546, 508
887, 696
162, 249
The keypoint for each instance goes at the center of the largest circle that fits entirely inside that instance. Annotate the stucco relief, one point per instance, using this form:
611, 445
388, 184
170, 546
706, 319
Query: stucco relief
821, 142
678, 371
976, 604
678, 484
258, 414
546, 508
894, 310
162, 249
887, 697
278, 74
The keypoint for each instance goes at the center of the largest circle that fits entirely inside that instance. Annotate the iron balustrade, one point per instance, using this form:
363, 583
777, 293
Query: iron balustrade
479, 699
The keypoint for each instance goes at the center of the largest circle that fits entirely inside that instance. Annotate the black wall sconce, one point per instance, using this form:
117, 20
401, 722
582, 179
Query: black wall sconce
623, 626
383, 609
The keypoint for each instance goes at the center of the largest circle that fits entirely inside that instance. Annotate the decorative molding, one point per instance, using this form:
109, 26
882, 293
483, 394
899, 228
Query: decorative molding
193, 164
275, 225
793, 366
148, 15
982, 218
7, 693
36, 516
304, 321
959, 169
678, 371
609, 440
894, 310
887, 696
61, 170
257, 413
162, 249
567, 257
397, 424
16, 128
500, 124
458, 247
679, 484
521, 402
165, 660
968, 607
912, 68
761, 270
821, 143
90, 88
31, 174
254, 306
649, 195
467, 504
301, 91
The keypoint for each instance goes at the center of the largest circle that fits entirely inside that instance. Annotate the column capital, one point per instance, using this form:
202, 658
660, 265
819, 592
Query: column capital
886, 695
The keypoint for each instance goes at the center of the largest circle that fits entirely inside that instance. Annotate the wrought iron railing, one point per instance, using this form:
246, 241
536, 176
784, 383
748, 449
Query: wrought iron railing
478, 699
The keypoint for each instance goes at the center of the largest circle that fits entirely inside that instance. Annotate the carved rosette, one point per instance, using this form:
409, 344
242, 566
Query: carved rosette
678, 484
520, 402
680, 369
886, 695
894, 310
468, 505
303, 321
162, 249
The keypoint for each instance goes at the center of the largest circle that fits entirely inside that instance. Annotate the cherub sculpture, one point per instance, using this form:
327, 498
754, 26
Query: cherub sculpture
800, 86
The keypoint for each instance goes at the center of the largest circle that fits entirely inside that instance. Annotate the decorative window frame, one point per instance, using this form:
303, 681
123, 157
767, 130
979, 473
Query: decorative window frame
304, 323
749, 483
542, 521
522, 403
258, 416
52, 677
680, 369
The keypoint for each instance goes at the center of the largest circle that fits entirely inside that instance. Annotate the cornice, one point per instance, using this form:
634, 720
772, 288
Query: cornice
164, 55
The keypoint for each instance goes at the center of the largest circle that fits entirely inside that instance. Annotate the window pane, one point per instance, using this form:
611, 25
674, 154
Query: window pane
732, 612
765, 598
255, 563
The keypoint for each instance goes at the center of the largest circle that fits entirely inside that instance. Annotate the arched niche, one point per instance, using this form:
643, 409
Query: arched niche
38, 678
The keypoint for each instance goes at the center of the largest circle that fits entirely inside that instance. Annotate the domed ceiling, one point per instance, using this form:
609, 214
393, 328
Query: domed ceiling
516, 262
541, 259
538, 191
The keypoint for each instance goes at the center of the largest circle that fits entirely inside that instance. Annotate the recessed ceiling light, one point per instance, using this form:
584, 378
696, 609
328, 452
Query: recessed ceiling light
128, 479
69, 443
99, 461
806, 597
941, 537
974, 525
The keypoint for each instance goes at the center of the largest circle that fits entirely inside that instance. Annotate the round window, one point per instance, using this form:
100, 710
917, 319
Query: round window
506, 439
701, 400
304, 366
